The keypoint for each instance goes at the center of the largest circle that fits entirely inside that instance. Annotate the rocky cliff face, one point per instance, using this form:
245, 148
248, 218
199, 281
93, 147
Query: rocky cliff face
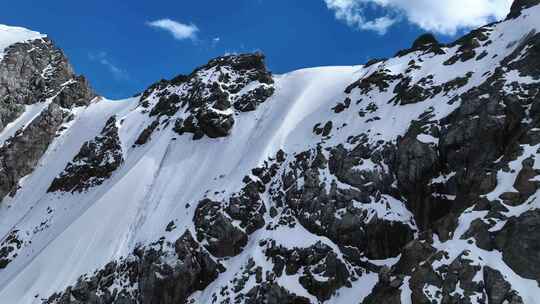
412, 179
31, 72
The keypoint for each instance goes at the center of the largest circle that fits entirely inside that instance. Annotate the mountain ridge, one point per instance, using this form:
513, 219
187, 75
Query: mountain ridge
411, 179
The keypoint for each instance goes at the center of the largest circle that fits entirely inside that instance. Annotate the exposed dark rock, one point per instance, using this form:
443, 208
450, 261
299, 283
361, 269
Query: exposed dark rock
95, 162
425, 40
75, 92
271, 293
322, 272
426, 43
212, 94
498, 289
151, 275
247, 206
340, 107
416, 164
170, 226
422, 275
379, 79
527, 62
166, 105
519, 5
317, 210
146, 134
21, 153
9, 247
327, 128
462, 272
405, 93
468, 45
251, 100
213, 225
215, 124
518, 241
479, 132
479, 230
367, 198
213, 220
9, 112
387, 289
524, 182
412, 255
33, 71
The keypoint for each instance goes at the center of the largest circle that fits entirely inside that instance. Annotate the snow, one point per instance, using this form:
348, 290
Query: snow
406, 291
10, 35
30, 112
164, 179
514, 76
359, 291
506, 178
427, 139
387, 208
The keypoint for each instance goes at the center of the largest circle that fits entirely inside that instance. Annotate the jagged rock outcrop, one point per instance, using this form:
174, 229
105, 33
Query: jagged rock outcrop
223, 238
425, 40
9, 112
412, 179
520, 5
21, 153
425, 43
456, 282
321, 271
272, 293
95, 162
416, 165
518, 241
209, 97
161, 273
8, 248
346, 216
34, 72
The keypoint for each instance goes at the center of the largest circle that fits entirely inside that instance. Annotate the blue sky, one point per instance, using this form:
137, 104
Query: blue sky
115, 46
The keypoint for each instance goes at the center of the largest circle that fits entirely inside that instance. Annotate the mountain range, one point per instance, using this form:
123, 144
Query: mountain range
411, 179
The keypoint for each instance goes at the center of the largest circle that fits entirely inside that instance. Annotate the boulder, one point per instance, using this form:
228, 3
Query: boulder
518, 241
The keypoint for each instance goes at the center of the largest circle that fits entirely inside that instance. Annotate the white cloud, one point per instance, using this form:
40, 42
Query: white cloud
439, 16
101, 57
180, 31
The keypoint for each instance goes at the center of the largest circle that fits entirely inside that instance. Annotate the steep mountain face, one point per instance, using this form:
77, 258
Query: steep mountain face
412, 179
33, 74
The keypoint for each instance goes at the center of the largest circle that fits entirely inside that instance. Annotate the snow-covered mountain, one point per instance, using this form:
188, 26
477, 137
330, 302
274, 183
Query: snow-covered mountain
412, 179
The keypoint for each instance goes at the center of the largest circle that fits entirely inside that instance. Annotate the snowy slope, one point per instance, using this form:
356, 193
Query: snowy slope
164, 173
62, 235
10, 35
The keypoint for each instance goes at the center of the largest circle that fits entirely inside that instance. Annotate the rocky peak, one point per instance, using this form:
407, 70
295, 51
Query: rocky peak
204, 102
425, 40
33, 71
426, 43
520, 5
413, 179
239, 62
96, 161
